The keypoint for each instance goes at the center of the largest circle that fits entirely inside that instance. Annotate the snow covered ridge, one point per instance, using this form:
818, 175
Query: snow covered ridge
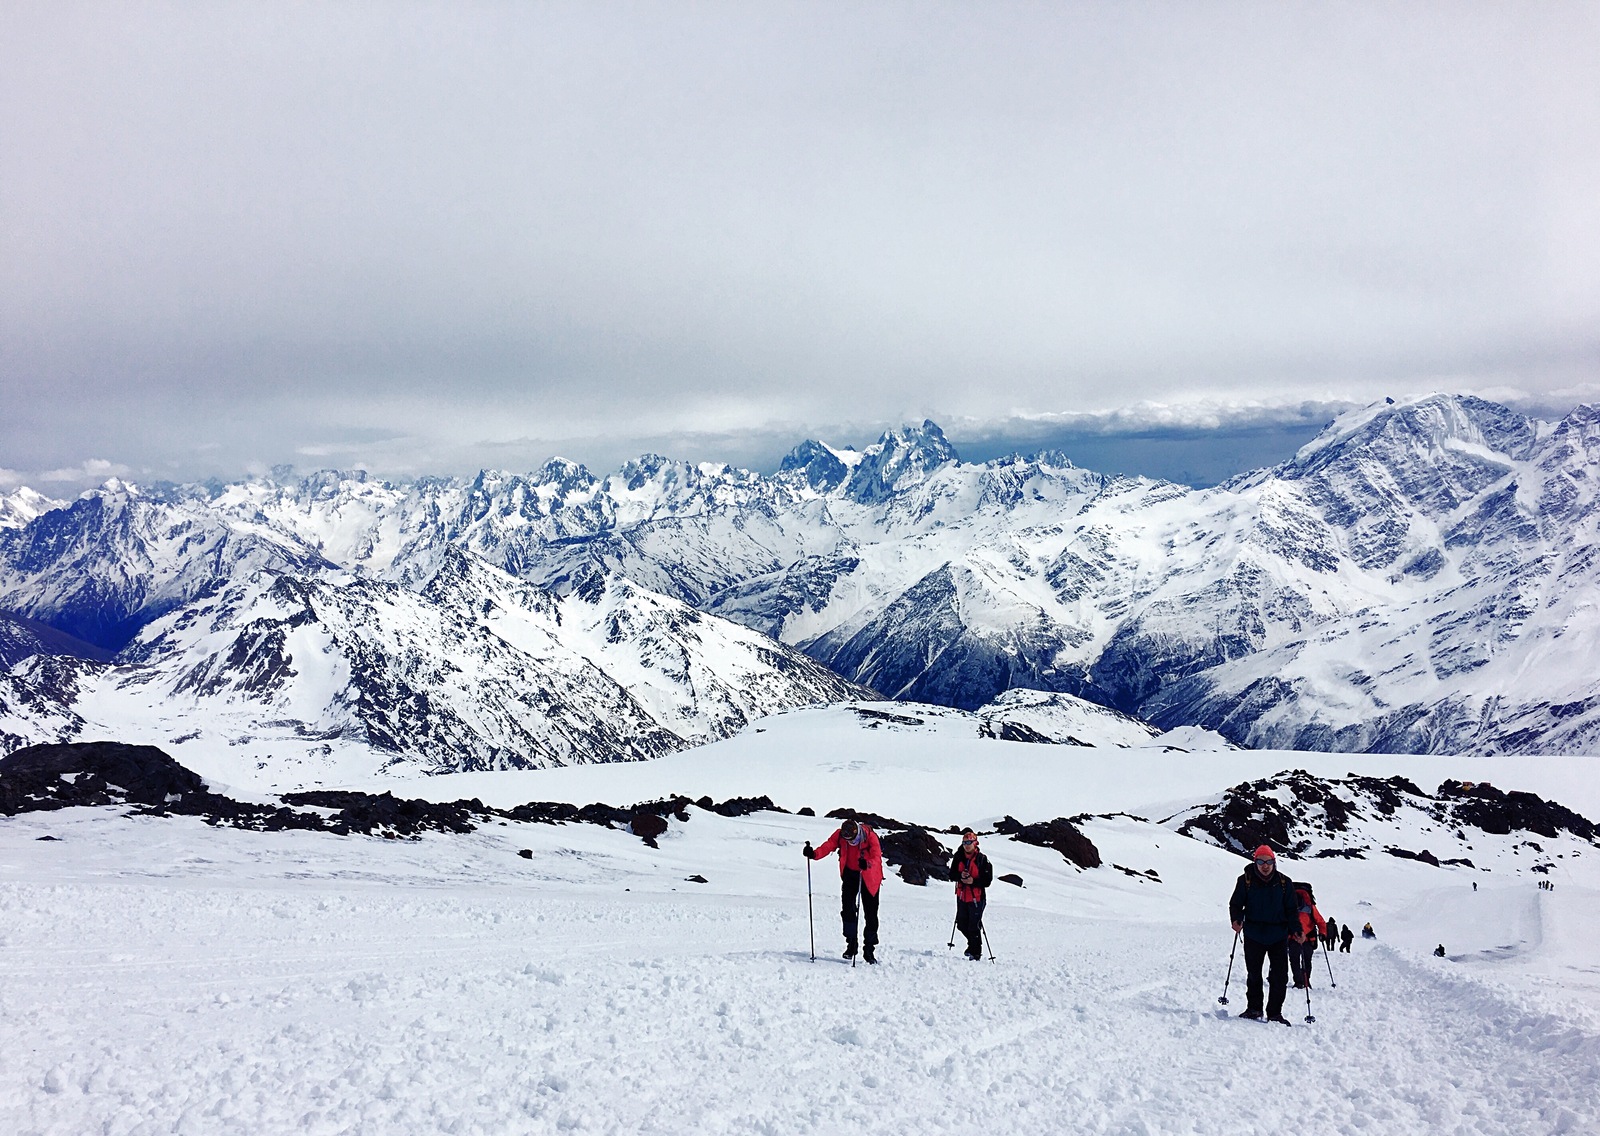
1417, 579
22, 505
318, 678
1305, 817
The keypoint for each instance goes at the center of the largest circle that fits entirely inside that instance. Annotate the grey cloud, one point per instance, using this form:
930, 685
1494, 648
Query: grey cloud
439, 237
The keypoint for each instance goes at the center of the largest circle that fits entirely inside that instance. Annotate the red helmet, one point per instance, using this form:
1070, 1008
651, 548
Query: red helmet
1265, 853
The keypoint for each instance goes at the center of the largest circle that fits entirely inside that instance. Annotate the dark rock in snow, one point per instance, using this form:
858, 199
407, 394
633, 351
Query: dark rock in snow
1017, 732
1485, 807
1405, 854
879, 823
366, 813
525, 853
1299, 815
648, 826
743, 806
917, 855
92, 773
1061, 834
697, 878
1010, 878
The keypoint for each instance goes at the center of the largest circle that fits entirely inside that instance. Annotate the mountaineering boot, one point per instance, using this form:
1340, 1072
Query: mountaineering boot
867, 954
1280, 1019
1253, 1015
850, 949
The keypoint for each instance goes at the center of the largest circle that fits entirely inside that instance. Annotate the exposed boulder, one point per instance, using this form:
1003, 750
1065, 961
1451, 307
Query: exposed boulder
1061, 834
917, 855
648, 826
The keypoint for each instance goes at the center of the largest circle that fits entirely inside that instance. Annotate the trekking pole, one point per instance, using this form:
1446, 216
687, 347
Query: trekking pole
811, 920
986, 941
858, 908
1310, 1017
953, 931
1325, 953
1224, 999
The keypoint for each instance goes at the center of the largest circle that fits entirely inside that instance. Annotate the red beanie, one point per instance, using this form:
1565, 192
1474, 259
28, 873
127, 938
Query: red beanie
1265, 853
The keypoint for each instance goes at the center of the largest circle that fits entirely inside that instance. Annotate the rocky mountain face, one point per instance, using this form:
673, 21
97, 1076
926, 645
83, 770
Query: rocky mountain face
1307, 818
477, 670
1415, 579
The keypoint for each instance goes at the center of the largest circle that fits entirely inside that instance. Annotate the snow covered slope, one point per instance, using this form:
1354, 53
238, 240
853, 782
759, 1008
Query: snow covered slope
110, 562
165, 975
311, 678
1417, 578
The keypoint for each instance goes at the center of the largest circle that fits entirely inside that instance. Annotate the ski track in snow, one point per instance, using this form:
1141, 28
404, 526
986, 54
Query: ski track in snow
163, 977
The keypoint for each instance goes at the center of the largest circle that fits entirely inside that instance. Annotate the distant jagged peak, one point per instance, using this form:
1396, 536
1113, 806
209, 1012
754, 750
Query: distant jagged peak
566, 473
23, 504
899, 460
820, 465
926, 440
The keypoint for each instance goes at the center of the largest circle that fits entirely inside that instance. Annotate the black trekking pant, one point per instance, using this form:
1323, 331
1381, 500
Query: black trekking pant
969, 920
1277, 978
1300, 958
849, 886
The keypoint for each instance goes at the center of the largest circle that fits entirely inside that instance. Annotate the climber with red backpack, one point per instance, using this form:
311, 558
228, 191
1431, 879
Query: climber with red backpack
1301, 953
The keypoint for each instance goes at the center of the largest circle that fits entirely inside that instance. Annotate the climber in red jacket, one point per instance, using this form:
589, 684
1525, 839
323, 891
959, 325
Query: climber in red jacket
860, 873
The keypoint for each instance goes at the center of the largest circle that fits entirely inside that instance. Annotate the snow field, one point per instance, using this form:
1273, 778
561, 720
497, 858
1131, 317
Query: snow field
164, 977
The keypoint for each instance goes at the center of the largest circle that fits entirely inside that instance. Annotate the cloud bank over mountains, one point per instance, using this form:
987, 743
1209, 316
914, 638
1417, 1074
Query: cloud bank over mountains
443, 239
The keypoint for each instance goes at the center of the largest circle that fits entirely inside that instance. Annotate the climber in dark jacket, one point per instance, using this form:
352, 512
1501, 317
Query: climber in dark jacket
1264, 908
973, 874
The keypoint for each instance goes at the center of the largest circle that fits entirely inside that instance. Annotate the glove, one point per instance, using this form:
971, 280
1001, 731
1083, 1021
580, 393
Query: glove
807, 852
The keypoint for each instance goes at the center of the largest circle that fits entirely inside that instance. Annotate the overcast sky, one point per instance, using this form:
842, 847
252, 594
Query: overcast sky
430, 238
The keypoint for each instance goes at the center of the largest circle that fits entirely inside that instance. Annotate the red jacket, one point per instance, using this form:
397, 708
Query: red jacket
864, 856
978, 867
1309, 914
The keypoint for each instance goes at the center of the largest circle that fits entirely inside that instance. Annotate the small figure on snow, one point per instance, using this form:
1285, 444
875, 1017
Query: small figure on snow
860, 873
1263, 907
972, 873
1367, 932
1346, 937
1302, 952
1331, 939
1438, 952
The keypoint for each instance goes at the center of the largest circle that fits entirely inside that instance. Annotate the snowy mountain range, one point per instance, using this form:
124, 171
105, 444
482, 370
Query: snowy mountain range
1419, 578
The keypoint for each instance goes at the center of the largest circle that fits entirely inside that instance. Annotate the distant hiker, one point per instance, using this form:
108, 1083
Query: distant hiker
1302, 952
1474, 885
1346, 937
1367, 932
973, 874
860, 873
1438, 952
1331, 939
1263, 908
